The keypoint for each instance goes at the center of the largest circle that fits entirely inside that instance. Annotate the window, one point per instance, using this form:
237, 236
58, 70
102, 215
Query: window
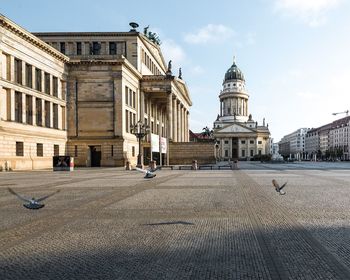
37, 79
126, 95
243, 153
226, 142
63, 110
251, 141
127, 125
47, 113
56, 150
18, 71
226, 153
19, 149
47, 83
251, 153
63, 47
133, 151
75, 151
55, 86
112, 48
259, 142
55, 116
96, 48
243, 142
38, 111
39, 150
112, 150
29, 75
79, 52
259, 152
29, 109
18, 107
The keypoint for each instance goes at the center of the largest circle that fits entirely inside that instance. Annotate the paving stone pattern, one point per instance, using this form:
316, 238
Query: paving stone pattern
107, 223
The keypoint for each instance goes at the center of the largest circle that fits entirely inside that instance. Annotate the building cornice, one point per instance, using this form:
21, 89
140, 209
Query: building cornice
29, 37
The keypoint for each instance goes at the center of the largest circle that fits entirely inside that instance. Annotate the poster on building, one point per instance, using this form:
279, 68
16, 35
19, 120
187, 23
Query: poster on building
155, 143
163, 145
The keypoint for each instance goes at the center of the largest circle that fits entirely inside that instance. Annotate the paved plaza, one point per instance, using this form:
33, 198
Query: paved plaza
108, 223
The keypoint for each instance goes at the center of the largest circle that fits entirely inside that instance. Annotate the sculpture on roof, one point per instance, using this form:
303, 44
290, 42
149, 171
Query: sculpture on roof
152, 36
180, 73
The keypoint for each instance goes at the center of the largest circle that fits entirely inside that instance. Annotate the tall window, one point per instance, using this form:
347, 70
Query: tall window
55, 86
126, 95
243, 153
37, 79
55, 116
29, 109
18, 71
29, 75
47, 83
79, 52
38, 112
39, 150
18, 106
56, 150
251, 153
75, 151
127, 124
19, 149
112, 48
96, 48
47, 113
63, 47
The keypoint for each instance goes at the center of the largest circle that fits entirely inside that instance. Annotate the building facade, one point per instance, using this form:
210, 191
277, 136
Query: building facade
238, 136
293, 144
93, 88
32, 99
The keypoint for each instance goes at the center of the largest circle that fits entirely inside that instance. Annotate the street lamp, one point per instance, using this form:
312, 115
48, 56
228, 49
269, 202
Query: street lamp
139, 130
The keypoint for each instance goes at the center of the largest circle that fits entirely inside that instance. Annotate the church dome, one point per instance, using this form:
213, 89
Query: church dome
234, 73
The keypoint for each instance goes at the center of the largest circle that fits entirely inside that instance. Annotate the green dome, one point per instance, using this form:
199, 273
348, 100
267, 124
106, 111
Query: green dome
234, 73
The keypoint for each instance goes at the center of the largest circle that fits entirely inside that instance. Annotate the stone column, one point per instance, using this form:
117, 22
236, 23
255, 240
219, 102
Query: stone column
170, 116
59, 116
34, 110
51, 87
178, 121
12, 68
142, 105
183, 124
51, 114
11, 105
43, 113
220, 108
33, 77
23, 108
175, 120
42, 81
23, 73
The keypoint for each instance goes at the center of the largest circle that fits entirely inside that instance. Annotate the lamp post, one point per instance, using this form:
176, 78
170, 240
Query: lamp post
139, 130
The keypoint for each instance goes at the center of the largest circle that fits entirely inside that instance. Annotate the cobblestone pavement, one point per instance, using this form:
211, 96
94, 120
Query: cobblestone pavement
220, 224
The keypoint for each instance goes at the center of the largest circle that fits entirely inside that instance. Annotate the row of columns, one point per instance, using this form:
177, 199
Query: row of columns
10, 110
240, 106
177, 120
7, 72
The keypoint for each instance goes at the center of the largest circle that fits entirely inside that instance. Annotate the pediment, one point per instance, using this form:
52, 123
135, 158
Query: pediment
235, 128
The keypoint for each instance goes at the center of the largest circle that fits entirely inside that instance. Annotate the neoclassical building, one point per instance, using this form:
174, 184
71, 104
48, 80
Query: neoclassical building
32, 99
79, 94
238, 136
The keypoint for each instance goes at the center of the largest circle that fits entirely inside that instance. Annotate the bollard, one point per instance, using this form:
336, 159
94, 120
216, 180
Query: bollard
128, 165
194, 165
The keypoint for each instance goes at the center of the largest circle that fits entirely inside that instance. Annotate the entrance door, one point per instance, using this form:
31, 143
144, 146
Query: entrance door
234, 148
95, 153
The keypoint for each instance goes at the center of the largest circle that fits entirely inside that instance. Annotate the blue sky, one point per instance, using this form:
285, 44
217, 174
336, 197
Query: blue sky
295, 54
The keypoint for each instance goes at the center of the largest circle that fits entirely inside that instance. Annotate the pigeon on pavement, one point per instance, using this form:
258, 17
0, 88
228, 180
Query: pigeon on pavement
32, 203
279, 188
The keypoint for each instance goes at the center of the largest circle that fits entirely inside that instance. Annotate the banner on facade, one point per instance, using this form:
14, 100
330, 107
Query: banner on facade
163, 145
155, 143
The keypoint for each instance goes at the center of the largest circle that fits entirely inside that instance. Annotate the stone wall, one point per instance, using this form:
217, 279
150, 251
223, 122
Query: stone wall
186, 152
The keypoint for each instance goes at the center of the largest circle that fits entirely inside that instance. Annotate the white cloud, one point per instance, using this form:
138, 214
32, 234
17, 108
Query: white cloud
174, 52
211, 33
312, 12
197, 70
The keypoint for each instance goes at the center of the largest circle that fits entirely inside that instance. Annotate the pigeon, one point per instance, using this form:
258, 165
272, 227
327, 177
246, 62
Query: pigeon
33, 203
278, 187
149, 173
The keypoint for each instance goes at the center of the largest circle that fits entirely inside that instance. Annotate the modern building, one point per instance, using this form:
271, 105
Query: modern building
238, 136
293, 144
80, 93
33, 107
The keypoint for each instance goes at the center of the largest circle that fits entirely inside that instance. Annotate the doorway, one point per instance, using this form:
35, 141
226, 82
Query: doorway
234, 148
95, 155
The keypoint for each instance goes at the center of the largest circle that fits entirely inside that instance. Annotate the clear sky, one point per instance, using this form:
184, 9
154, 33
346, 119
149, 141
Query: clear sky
295, 54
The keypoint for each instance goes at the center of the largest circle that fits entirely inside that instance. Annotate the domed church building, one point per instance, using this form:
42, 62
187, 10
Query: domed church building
237, 135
